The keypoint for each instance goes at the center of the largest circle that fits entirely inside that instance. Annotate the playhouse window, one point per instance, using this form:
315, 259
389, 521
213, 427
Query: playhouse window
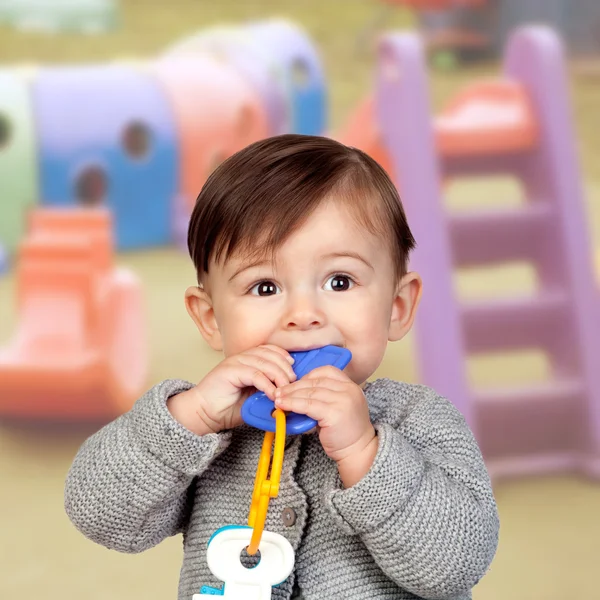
91, 186
137, 140
300, 74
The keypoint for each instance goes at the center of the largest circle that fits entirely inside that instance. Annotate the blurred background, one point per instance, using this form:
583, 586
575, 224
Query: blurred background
113, 113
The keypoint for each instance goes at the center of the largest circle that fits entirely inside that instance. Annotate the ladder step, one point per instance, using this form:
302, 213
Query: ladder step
513, 324
531, 420
497, 236
545, 392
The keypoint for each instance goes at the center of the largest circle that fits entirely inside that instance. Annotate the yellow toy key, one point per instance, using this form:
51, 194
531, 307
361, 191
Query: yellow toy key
265, 489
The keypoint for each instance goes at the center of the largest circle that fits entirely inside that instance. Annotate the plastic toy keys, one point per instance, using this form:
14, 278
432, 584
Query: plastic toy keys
223, 557
257, 410
265, 489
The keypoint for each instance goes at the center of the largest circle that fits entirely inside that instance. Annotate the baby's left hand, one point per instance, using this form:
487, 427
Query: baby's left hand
339, 406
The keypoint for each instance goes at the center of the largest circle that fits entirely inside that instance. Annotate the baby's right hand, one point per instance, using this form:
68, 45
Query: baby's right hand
215, 403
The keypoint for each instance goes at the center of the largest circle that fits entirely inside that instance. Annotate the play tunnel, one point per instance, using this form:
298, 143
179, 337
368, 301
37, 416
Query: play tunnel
216, 114
303, 80
18, 165
107, 138
237, 48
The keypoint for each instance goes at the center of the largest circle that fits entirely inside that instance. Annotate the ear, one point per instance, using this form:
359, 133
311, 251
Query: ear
404, 307
200, 308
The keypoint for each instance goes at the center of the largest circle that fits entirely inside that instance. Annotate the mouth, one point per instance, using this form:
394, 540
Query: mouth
313, 347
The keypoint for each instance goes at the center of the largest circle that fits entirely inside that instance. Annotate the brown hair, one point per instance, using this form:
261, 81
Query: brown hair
256, 198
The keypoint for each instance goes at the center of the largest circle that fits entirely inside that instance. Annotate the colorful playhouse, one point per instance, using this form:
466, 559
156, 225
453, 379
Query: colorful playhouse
140, 139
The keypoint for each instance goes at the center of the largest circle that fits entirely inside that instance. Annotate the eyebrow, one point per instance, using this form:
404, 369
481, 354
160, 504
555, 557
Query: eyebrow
348, 254
256, 263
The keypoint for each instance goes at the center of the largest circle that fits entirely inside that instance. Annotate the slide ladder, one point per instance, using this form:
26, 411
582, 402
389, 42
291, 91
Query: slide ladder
518, 125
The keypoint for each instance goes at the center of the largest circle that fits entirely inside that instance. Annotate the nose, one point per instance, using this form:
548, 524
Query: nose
303, 314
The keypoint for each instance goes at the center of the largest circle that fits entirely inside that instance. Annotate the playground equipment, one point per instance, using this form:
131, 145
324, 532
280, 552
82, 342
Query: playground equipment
141, 137
494, 115
294, 92
303, 82
237, 48
79, 350
216, 114
363, 131
517, 125
18, 160
107, 137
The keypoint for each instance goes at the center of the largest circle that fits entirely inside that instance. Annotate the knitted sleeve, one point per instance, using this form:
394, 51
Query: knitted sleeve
127, 487
425, 510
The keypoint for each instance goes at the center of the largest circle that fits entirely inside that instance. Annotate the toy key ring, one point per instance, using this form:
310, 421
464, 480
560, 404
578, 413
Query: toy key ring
257, 410
265, 489
277, 554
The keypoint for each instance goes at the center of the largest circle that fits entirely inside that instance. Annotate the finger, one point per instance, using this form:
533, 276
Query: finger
278, 350
327, 372
275, 354
280, 374
248, 376
334, 385
312, 402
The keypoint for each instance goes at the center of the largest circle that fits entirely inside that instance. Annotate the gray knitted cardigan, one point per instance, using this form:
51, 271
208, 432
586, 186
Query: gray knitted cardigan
422, 523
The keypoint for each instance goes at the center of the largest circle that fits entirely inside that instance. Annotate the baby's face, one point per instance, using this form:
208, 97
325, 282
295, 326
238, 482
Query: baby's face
331, 283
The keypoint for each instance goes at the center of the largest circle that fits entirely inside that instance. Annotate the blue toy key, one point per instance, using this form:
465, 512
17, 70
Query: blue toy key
258, 408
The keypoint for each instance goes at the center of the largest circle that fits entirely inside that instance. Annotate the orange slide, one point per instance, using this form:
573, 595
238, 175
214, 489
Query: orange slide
79, 351
363, 132
488, 117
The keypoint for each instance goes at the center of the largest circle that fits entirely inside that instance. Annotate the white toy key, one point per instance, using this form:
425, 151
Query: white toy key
223, 557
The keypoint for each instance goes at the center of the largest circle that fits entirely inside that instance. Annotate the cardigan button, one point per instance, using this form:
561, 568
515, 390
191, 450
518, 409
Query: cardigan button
288, 516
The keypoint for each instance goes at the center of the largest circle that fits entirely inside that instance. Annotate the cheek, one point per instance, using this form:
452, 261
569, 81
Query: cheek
366, 335
365, 321
242, 330
369, 350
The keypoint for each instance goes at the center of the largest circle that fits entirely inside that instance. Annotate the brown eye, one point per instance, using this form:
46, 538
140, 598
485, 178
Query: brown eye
339, 283
264, 288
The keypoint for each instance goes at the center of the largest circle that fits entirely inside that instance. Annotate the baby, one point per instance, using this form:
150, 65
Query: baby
299, 242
